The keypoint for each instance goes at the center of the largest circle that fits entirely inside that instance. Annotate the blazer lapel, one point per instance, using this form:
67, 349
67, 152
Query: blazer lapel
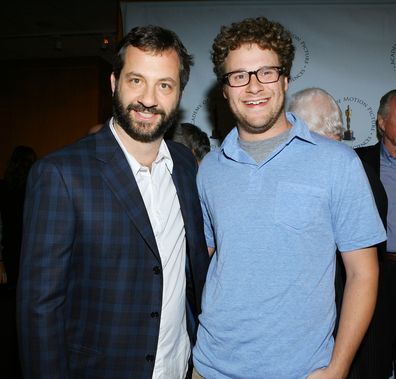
182, 188
119, 177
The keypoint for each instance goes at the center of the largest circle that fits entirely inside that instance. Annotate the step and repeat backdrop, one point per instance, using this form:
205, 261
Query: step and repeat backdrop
348, 49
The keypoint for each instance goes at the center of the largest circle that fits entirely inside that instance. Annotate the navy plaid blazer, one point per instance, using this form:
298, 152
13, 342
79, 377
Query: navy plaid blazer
90, 285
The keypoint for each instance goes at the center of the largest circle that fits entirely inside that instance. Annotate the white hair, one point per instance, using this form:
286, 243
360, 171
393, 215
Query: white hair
318, 109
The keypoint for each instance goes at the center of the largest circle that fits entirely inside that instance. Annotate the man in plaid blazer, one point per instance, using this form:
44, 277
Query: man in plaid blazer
114, 257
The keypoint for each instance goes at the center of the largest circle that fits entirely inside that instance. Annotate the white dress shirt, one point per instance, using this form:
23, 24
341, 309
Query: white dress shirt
162, 204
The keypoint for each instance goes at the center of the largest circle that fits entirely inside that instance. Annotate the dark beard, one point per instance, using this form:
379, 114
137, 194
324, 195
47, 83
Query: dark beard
133, 129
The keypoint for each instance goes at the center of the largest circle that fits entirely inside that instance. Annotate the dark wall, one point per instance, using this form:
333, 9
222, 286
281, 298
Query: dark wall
48, 104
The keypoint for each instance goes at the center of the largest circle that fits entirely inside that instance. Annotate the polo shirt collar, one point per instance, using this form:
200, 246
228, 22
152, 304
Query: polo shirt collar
299, 129
232, 149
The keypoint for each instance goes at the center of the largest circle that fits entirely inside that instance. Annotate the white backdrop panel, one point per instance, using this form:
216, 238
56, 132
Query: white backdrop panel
347, 49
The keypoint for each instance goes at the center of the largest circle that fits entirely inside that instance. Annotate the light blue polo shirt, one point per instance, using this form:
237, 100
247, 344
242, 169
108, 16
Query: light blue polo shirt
268, 305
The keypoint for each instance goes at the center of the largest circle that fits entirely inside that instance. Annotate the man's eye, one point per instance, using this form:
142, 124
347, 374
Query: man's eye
166, 88
240, 76
267, 73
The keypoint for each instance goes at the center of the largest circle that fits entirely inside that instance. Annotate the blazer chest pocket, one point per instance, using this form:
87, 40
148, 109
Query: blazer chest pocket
298, 206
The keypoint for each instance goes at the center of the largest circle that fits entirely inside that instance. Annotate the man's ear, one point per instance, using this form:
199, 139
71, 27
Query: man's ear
380, 124
286, 83
225, 93
113, 82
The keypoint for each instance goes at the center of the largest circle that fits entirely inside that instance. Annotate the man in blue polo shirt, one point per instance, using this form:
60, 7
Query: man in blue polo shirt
277, 201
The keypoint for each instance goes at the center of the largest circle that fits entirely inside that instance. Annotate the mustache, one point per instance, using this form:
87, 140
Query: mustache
142, 108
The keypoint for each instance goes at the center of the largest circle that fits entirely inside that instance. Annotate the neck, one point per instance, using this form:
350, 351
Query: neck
144, 152
281, 126
390, 147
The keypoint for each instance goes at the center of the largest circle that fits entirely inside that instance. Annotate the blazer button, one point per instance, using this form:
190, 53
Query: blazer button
150, 358
154, 314
157, 270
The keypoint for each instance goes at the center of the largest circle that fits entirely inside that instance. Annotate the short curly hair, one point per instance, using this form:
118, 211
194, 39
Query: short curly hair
261, 31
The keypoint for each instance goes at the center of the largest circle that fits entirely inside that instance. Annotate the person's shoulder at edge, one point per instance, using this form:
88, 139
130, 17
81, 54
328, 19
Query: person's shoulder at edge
337, 152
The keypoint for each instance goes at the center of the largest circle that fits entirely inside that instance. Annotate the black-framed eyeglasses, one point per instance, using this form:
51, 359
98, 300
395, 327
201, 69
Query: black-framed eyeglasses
266, 74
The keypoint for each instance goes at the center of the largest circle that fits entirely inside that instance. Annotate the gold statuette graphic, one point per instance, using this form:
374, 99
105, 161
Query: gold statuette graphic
348, 134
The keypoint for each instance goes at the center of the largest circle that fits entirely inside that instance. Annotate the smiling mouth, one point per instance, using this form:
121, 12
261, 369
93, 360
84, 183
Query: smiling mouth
256, 102
146, 117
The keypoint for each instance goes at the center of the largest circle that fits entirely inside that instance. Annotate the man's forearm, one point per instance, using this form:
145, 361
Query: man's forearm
358, 305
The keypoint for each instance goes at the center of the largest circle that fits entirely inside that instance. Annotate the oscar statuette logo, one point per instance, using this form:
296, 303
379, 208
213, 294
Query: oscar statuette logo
348, 134
364, 121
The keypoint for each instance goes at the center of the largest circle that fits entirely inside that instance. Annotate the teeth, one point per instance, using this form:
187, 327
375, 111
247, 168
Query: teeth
256, 102
146, 115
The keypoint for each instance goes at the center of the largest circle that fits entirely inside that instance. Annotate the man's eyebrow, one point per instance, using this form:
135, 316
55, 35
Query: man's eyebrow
167, 79
129, 74
136, 74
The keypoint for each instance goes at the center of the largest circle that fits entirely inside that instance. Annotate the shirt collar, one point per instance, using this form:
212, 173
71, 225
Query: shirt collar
299, 129
232, 149
386, 155
163, 154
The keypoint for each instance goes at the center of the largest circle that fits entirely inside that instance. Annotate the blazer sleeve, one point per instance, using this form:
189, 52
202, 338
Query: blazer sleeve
44, 273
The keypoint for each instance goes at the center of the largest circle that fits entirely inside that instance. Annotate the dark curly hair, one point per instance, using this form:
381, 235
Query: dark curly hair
193, 137
154, 39
266, 34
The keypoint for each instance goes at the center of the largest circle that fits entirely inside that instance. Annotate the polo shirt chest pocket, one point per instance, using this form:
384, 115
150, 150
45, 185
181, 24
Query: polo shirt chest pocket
299, 206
